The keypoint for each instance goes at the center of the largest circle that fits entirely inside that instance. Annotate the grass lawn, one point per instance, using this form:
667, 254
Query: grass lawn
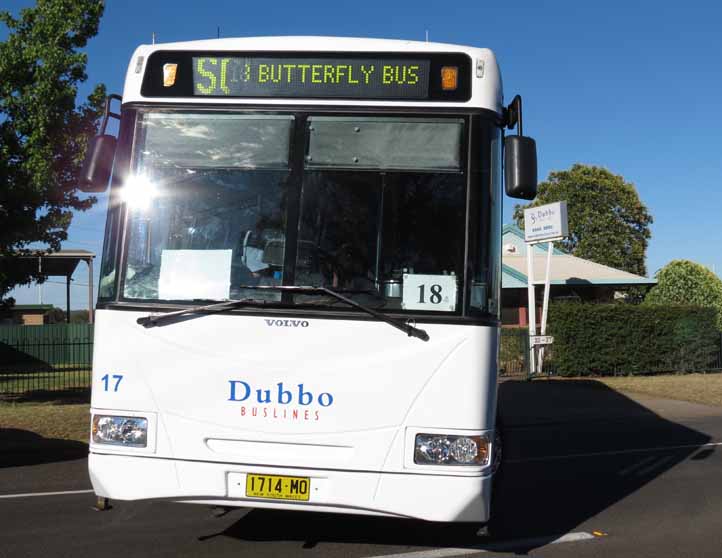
68, 421
19, 382
697, 388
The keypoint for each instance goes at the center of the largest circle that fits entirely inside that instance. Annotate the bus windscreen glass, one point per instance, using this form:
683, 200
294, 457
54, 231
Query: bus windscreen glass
311, 77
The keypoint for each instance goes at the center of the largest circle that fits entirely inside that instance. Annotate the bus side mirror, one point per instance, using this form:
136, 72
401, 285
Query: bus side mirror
520, 167
98, 164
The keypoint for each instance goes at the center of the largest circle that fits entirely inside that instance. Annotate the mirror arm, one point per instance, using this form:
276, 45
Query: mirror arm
513, 115
107, 114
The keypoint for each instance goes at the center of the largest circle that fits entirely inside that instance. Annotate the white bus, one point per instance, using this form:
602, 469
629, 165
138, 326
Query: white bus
300, 288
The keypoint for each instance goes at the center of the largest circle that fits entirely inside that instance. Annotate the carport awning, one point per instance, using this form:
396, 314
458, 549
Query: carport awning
53, 264
61, 263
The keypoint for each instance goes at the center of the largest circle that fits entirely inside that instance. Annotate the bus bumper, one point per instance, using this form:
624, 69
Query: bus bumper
420, 496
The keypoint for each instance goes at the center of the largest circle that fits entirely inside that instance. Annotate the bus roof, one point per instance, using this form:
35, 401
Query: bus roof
486, 88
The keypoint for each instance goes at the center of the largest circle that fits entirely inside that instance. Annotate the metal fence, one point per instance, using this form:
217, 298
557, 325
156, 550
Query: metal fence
59, 357
514, 359
54, 357
514, 352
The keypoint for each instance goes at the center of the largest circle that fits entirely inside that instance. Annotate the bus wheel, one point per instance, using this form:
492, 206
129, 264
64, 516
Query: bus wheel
102, 504
497, 451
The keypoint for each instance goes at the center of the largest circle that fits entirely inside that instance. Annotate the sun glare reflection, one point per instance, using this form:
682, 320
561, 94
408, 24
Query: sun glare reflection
138, 192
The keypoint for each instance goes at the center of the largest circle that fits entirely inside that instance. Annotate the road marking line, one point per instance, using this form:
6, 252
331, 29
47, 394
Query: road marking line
637, 464
31, 494
656, 464
491, 547
614, 452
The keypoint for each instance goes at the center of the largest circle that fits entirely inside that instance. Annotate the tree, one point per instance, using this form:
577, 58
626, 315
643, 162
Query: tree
689, 283
59, 316
43, 134
608, 223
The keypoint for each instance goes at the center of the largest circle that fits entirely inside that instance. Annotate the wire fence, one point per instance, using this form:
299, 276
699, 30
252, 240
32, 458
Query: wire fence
48, 358
514, 352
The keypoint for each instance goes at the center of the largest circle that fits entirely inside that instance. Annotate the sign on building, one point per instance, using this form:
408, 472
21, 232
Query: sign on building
545, 223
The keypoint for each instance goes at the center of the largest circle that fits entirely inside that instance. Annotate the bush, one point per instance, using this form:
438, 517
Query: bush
591, 339
686, 282
513, 349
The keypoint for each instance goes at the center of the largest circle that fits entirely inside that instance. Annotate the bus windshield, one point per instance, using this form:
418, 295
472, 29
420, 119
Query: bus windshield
372, 206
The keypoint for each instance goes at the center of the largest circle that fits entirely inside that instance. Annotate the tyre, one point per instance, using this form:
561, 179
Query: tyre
492, 527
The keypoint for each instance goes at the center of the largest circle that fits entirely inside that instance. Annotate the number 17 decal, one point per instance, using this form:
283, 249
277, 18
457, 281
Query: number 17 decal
107, 381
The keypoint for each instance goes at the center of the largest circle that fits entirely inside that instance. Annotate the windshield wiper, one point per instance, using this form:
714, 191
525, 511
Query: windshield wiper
153, 320
406, 327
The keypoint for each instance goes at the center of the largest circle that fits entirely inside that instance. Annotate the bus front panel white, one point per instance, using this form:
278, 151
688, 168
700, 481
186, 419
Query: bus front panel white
341, 398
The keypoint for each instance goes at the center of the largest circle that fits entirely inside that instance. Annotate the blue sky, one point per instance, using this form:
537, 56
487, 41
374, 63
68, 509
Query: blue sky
630, 85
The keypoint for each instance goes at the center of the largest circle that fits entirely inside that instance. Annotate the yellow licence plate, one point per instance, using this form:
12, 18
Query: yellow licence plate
277, 487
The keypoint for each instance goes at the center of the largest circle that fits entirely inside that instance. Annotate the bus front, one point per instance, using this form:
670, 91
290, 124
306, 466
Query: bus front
299, 296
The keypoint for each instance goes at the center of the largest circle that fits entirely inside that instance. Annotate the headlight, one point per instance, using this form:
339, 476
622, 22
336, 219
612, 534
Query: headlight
120, 431
442, 449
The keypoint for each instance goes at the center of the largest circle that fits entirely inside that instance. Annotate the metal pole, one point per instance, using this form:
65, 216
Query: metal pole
545, 304
90, 290
379, 236
547, 283
40, 285
532, 306
148, 226
67, 299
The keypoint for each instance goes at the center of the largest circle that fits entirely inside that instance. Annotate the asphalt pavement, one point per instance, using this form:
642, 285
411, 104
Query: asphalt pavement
587, 473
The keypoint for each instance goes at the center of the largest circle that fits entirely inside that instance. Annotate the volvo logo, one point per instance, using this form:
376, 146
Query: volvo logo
286, 323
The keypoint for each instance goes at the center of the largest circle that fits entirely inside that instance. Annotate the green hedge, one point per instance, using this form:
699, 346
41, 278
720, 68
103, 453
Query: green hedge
591, 339
514, 350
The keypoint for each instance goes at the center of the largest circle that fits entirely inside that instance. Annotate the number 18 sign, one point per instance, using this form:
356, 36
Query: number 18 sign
429, 292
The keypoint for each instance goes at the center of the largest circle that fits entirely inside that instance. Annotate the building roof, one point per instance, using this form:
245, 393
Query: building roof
565, 268
31, 307
513, 235
62, 262
570, 270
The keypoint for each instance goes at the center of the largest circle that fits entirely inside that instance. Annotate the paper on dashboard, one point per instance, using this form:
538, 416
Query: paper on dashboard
191, 274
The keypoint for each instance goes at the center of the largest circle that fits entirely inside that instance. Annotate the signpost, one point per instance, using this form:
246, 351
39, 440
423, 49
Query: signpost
544, 223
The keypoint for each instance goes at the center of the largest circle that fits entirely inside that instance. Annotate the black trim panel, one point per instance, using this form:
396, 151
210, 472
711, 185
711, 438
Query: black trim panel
309, 313
494, 116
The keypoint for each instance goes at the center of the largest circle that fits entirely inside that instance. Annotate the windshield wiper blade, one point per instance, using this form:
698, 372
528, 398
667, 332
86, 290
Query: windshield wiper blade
152, 320
406, 327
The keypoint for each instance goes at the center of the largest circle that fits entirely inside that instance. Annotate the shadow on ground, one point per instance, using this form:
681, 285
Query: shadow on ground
572, 450
549, 485
22, 447
70, 396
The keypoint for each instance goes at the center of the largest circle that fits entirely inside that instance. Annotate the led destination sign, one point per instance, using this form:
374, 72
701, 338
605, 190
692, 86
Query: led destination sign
376, 78
251, 76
